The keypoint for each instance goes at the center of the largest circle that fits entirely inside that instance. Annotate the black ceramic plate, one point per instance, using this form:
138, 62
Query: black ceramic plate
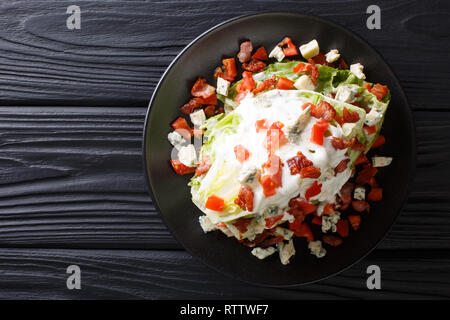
171, 194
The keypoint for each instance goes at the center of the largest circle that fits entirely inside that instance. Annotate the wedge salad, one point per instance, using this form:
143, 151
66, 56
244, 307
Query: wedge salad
282, 151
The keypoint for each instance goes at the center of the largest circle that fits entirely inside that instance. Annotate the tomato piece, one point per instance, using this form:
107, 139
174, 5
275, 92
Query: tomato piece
215, 203
242, 224
261, 125
301, 68
306, 207
245, 51
308, 104
341, 166
367, 86
328, 209
180, 168
248, 83
332, 240
297, 163
350, 116
314, 71
379, 90
295, 225
245, 198
289, 48
355, 221
204, 166
317, 220
265, 85
211, 100
342, 228
360, 205
323, 110
275, 137
366, 174
260, 54
284, 84
241, 153
318, 130
379, 142
202, 89
373, 183
254, 66
370, 130
310, 172
270, 222
240, 96
313, 190
181, 126
361, 159
304, 231
376, 194
271, 175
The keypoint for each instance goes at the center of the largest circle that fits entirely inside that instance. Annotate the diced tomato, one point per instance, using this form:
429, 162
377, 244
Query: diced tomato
317, 220
215, 203
332, 240
341, 166
338, 143
318, 130
242, 224
323, 110
310, 172
182, 127
355, 221
245, 51
342, 228
271, 175
373, 183
265, 85
297, 163
275, 137
321, 59
301, 68
290, 49
312, 191
308, 104
361, 159
270, 222
261, 125
304, 231
202, 89
379, 142
241, 153
380, 91
248, 83
254, 66
314, 71
365, 174
260, 54
181, 168
349, 116
245, 198
211, 100
204, 166
367, 86
360, 205
370, 130
240, 96
295, 225
306, 207
284, 84
329, 208
376, 194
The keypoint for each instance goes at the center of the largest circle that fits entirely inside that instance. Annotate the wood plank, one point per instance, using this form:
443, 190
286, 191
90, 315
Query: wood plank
148, 274
41, 62
72, 178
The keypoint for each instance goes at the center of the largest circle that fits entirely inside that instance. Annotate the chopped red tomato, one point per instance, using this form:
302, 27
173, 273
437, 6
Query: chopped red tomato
245, 198
245, 51
342, 228
254, 66
306, 207
304, 231
182, 127
317, 220
341, 166
373, 183
365, 174
301, 68
265, 85
241, 153
310, 172
204, 166
297, 163
284, 84
338, 143
349, 116
328, 209
270, 178
260, 54
242, 224
181, 168
289, 48
318, 130
367, 86
215, 203
314, 71
275, 137
379, 142
211, 100
261, 125
376, 194
360, 205
202, 89
248, 83
308, 104
380, 91
270, 222
361, 159
240, 96
370, 130
312, 191
355, 221
332, 240
323, 110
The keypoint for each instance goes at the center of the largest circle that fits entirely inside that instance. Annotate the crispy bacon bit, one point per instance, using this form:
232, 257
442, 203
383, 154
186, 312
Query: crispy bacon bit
341, 166
355, 221
204, 166
366, 174
209, 111
342, 228
332, 240
379, 90
321, 59
342, 64
345, 195
242, 224
314, 71
338, 143
350, 117
376, 194
254, 66
227, 71
258, 239
354, 144
297, 163
270, 222
361, 159
260, 54
310, 172
323, 110
202, 89
329, 208
271, 241
360, 205
245, 52
245, 198
265, 85
189, 107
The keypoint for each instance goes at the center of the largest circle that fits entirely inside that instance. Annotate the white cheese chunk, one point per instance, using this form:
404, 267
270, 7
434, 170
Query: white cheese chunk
286, 251
378, 161
262, 253
329, 222
357, 70
332, 56
187, 155
176, 139
359, 193
304, 83
206, 224
277, 53
198, 117
294, 130
248, 175
346, 93
373, 117
317, 249
285, 233
310, 49
222, 86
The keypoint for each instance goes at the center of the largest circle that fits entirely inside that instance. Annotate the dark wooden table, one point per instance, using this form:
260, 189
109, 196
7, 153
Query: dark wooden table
72, 188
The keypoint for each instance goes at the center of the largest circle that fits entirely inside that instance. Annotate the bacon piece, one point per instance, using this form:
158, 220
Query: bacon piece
245, 198
328, 209
321, 59
242, 224
271, 241
259, 238
323, 110
349, 116
346, 195
366, 174
360, 205
254, 66
379, 90
332, 240
338, 143
310, 172
341, 166
297, 163
245, 52
314, 71
265, 85
189, 107
204, 166
202, 89
342, 64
